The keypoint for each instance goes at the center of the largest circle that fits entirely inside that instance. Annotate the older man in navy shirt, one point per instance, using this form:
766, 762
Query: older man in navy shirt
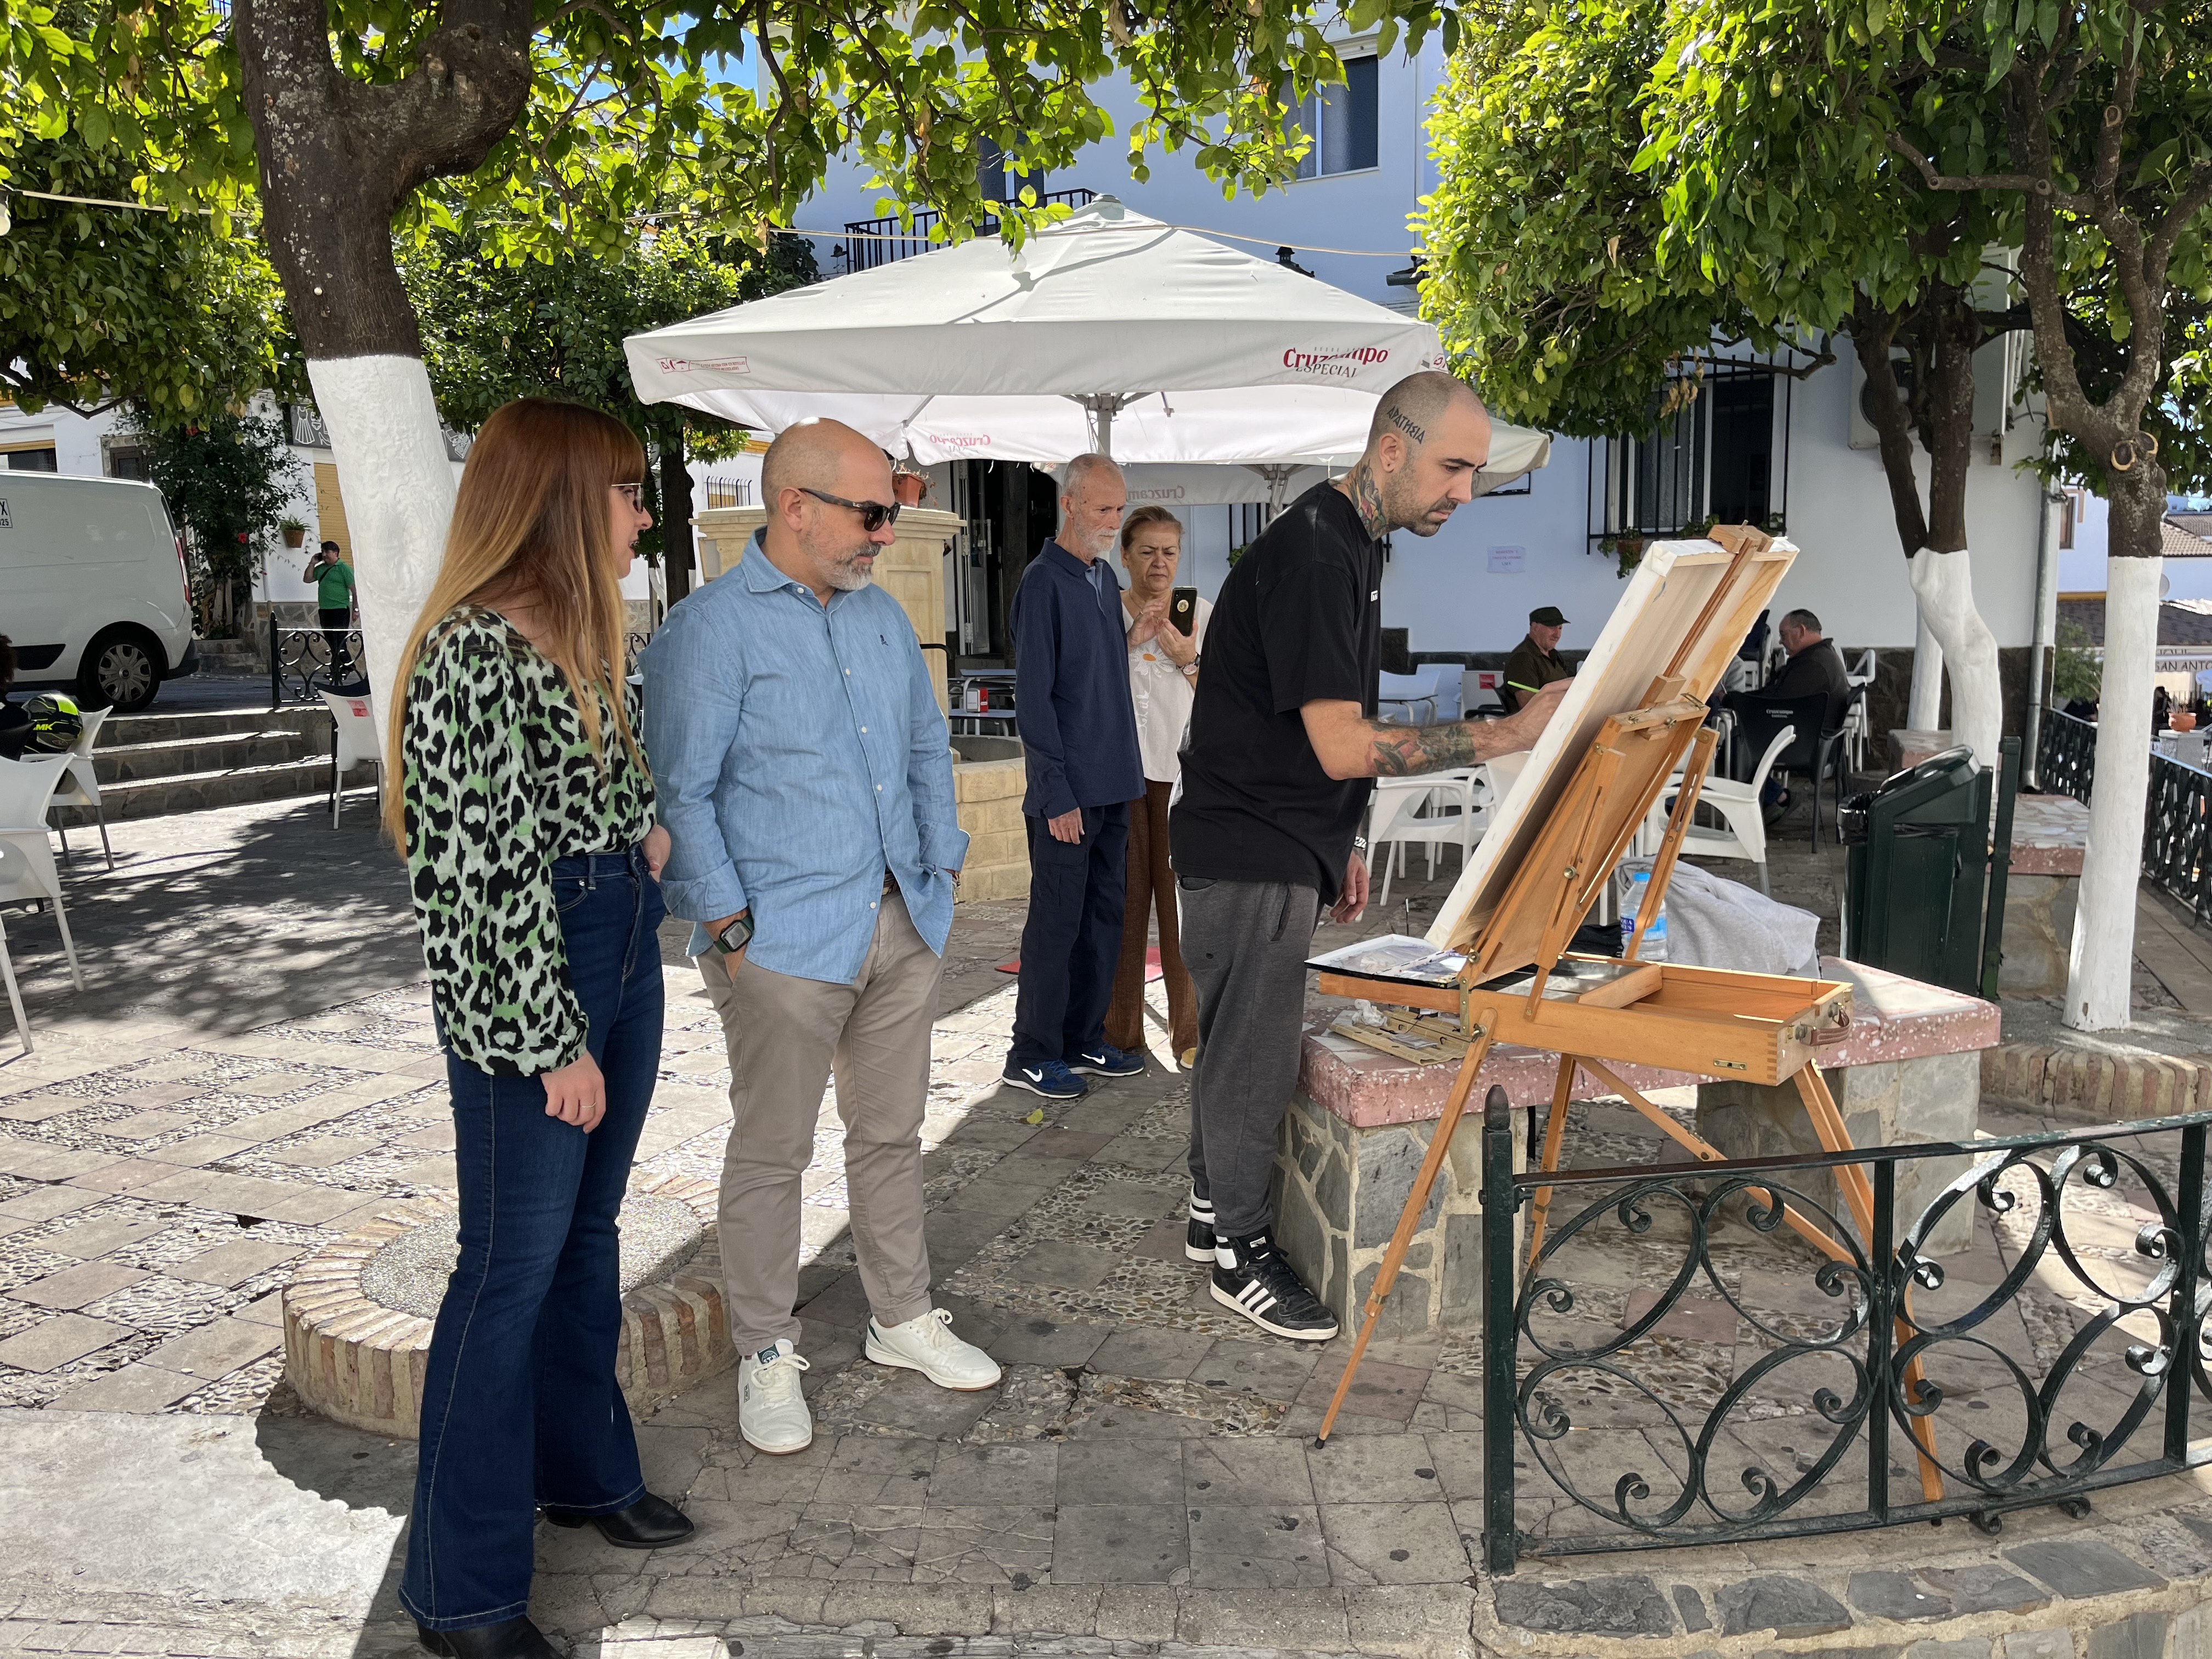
1079, 731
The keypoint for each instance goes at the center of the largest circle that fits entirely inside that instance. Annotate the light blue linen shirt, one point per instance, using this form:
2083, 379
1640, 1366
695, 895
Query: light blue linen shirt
798, 752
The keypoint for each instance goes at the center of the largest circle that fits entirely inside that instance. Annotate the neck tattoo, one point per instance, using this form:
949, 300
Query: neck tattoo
1366, 495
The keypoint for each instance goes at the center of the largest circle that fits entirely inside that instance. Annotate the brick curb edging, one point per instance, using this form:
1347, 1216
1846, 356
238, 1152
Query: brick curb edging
2085, 1085
361, 1363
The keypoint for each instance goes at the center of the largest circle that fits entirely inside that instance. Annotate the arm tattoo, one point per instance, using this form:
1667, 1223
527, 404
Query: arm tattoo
1367, 498
1401, 750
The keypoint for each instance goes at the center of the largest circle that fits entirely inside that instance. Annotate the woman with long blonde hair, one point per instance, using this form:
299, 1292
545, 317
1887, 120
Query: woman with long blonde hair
526, 814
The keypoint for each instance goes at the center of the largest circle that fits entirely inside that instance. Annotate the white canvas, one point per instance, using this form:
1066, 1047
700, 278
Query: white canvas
1657, 610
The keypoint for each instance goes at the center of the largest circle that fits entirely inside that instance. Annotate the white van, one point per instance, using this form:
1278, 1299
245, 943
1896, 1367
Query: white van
93, 590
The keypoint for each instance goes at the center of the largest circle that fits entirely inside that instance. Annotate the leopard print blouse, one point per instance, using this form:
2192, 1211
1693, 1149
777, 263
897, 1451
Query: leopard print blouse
500, 782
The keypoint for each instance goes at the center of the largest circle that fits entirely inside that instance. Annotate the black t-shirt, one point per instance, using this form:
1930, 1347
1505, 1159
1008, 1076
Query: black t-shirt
1299, 620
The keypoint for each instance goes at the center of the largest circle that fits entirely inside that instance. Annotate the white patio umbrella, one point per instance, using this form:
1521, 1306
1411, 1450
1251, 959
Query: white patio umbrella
1514, 451
1108, 329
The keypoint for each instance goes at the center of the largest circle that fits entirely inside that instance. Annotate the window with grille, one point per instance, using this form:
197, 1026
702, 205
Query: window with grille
1718, 453
729, 492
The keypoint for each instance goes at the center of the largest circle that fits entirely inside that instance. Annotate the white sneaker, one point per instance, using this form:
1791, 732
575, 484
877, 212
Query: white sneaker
925, 1344
772, 1413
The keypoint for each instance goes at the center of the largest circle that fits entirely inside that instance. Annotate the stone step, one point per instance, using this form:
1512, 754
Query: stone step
195, 792
228, 751
127, 730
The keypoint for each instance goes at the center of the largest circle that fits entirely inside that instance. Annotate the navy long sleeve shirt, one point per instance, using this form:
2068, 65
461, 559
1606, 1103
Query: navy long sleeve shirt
1072, 702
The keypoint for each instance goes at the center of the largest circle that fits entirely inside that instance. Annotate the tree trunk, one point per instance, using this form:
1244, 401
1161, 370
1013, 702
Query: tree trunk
2101, 975
676, 536
1938, 566
337, 158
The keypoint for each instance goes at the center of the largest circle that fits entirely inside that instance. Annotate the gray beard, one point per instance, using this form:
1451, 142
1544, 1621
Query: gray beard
850, 579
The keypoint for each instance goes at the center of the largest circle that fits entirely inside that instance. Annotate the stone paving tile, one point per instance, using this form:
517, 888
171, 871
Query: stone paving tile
57, 1340
1120, 1544
73, 1288
133, 1388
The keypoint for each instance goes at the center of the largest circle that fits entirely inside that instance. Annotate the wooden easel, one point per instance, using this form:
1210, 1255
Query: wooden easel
1708, 1021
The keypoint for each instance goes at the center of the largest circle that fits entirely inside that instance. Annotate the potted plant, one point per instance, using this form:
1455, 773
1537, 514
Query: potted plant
909, 483
295, 533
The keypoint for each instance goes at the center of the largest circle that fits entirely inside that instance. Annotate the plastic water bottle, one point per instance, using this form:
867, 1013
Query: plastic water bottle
1635, 878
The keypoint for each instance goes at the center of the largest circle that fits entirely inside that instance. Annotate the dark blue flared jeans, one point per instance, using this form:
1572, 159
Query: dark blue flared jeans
520, 1406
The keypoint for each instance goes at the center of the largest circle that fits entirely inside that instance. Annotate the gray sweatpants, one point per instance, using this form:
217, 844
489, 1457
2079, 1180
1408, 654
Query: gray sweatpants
1246, 944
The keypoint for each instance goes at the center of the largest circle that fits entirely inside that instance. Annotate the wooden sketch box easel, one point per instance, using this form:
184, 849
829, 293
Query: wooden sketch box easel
1633, 714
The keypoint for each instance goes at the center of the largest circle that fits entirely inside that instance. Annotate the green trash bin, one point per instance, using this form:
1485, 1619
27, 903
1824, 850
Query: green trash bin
1915, 869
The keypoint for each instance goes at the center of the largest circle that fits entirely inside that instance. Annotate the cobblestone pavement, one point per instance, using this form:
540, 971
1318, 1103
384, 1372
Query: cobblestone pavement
251, 1071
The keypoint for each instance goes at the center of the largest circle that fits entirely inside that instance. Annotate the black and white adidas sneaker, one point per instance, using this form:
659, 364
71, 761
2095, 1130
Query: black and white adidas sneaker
1251, 1278
1198, 1241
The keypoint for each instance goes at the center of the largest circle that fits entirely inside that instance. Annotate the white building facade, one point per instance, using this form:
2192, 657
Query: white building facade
1756, 445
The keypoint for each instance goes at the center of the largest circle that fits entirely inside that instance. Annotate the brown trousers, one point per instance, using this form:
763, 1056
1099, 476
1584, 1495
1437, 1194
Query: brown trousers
1152, 887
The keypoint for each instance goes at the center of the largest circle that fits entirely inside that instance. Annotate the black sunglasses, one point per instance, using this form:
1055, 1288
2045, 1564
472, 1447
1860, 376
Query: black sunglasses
874, 515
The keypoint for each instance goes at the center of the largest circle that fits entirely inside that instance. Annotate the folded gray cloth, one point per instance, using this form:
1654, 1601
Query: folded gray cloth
1713, 922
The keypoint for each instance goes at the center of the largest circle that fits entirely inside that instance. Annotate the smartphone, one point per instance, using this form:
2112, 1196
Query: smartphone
1182, 609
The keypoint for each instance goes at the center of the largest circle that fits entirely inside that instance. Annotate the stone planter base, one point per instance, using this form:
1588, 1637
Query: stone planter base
1339, 1192
357, 1358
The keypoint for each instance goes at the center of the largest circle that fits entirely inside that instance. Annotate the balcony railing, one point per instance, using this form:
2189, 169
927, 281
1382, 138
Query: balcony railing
2177, 851
873, 242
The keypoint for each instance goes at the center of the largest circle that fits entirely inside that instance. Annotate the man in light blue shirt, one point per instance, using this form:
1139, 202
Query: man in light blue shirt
804, 777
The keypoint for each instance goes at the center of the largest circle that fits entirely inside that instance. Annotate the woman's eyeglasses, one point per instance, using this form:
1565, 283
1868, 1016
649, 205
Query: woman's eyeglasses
632, 493
874, 515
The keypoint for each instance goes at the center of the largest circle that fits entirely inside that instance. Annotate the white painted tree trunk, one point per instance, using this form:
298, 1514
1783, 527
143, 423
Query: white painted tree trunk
1924, 709
1943, 584
398, 486
2101, 974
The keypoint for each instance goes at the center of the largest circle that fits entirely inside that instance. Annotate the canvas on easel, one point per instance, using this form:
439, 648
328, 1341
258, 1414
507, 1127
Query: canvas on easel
1631, 724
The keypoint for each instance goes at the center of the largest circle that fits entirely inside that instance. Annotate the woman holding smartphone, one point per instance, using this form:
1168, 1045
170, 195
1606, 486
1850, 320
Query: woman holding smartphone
524, 812
1167, 628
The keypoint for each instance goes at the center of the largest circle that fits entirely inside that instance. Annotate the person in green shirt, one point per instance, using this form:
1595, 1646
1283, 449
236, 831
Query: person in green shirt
1535, 662
333, 580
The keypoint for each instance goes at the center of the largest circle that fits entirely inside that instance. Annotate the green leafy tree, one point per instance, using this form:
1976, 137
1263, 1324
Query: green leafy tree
2086, 128
229, 479
1561, 282
493, 332
99, 309
556, 125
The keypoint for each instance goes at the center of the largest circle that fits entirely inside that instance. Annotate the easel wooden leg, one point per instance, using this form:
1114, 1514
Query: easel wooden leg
1707, 1152
1555, 1129
1858, 1197
1440, 1141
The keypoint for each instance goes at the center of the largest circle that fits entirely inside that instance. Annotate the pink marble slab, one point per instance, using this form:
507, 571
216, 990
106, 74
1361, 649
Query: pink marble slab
2048, 835
1893, 1018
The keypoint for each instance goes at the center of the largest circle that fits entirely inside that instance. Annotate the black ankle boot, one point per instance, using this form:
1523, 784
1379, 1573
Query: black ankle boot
510, 1638
647, 1524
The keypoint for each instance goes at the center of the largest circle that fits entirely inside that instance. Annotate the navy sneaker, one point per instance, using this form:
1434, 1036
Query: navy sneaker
1106, 1060
1051, 1079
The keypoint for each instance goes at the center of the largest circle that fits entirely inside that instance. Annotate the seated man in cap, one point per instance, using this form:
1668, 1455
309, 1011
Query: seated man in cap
1535, 661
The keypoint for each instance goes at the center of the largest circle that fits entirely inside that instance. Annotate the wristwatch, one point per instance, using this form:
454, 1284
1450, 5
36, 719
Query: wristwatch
1359, 843
735, 937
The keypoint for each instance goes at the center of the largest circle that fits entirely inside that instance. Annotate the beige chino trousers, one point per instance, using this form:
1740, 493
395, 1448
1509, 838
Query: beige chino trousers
786, 1035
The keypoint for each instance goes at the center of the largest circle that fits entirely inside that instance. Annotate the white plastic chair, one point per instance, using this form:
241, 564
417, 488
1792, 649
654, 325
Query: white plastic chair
1744, 835
1856, 725
1407, 692
14, 867
353, 743
80, 784
1445, 809
26, 787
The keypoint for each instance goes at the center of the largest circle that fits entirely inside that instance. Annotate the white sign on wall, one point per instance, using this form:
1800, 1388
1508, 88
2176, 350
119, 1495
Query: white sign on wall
1508, 561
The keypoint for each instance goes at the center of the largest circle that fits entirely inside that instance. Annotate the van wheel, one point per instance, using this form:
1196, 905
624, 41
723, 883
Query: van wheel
122, 669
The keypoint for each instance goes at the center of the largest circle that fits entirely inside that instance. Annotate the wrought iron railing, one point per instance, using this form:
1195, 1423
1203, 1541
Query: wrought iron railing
873, 242
2066, 760
2176, 817
2177, 835
2072, 1361
301, 664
